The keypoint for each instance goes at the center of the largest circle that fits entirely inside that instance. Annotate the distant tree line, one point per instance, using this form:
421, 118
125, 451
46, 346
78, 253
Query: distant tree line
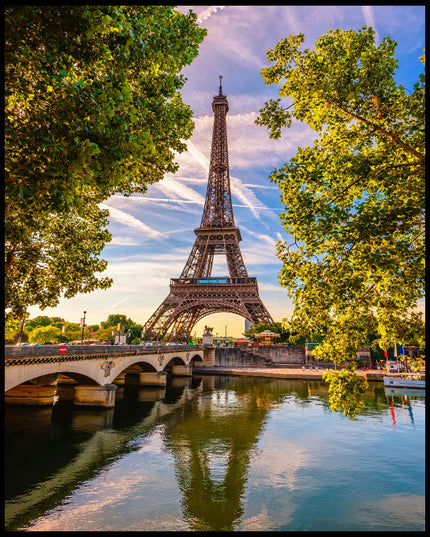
44, 329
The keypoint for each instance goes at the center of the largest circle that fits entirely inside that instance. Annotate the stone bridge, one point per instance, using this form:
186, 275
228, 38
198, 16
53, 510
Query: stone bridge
33, 374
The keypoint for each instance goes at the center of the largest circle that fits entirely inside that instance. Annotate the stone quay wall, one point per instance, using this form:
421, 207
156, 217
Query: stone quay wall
258, 356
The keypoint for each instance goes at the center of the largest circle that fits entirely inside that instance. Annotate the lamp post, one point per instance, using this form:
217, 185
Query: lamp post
83, 327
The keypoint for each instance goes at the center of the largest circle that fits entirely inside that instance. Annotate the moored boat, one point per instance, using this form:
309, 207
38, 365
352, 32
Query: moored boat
408, 392
405, 381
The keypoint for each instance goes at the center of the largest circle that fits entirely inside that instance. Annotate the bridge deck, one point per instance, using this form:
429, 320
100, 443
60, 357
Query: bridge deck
76, 352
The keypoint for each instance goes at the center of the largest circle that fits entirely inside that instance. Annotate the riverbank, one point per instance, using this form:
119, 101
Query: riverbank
282, 372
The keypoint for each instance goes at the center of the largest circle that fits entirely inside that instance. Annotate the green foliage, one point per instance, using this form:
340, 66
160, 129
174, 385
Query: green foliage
45, 334
10, 338
12, 325
277, 328
105, 334
354, 201
115, 319
38, 322
128, 324
92, 108
344, 391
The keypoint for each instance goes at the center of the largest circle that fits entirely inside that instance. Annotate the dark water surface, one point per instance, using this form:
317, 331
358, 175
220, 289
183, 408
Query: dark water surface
218, 453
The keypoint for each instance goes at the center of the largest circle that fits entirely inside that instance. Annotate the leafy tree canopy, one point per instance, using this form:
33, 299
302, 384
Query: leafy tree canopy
72, 331
345, 391
129, 326
117, 318
43, 320
277, 328
45, 334
92, 108
354, 200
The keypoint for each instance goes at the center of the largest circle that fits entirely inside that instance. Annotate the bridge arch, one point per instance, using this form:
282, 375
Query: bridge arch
140, 366
196, 359
99, 370
50, 373
176, 360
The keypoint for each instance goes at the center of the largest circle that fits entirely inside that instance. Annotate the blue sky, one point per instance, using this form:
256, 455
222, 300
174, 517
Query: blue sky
152, 235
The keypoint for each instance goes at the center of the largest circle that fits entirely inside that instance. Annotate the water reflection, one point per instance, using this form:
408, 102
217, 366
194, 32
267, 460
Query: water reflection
212, 445
405, 396
51, 451
196, 455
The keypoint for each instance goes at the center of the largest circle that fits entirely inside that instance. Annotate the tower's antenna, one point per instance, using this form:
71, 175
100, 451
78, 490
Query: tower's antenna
220, 84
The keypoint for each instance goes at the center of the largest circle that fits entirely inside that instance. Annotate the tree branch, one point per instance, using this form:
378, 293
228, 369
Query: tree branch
396, 139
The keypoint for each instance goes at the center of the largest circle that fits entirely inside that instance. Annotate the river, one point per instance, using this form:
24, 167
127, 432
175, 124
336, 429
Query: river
218, 453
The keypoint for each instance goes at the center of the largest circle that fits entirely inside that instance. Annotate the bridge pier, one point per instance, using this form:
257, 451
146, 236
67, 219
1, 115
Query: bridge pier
65, 392
182, 370
31, 394
95, 396
120, 379
156, 378
209, 356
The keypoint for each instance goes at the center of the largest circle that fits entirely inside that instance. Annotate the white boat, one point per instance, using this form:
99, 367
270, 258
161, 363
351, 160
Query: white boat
408, 392
406, 381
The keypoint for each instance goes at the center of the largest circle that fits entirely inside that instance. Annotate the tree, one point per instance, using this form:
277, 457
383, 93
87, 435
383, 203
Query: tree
60, 257
277, 328
11, 331
354, 201
116, 319
129, 325
40, 321
105, 334
345, 390
45, 334
92, 108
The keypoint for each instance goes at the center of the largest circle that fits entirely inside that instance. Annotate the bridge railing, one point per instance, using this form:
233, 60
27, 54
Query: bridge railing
91, 351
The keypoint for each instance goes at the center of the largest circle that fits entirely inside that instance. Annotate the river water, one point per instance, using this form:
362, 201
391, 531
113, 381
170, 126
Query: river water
218, 453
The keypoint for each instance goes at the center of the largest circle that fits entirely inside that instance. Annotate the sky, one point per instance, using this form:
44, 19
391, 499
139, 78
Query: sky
152, 234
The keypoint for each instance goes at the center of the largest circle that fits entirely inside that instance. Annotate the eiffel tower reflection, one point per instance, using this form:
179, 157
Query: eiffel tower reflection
212, 445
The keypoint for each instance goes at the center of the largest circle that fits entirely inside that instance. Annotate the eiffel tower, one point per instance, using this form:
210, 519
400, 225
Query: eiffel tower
196, 293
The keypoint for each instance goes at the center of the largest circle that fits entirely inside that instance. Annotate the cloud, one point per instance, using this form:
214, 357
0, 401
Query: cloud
282, 467
263, 238
208, 12
271, 187
155, 200
369, 18
200, 202
170, 186
198, 155
113, 306
121, 240
236, 123
129, 220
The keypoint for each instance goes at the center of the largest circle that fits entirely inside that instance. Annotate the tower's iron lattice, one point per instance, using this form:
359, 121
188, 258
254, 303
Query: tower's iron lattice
196, 294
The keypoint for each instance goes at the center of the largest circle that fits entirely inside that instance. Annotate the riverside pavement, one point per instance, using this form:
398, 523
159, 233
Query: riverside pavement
281, 372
